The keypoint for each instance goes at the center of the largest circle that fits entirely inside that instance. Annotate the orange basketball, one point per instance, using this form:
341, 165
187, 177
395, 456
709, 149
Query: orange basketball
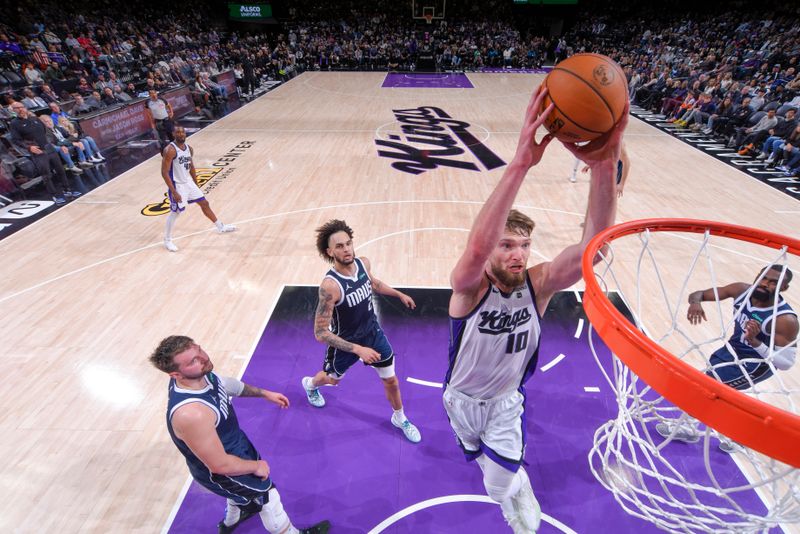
589, 92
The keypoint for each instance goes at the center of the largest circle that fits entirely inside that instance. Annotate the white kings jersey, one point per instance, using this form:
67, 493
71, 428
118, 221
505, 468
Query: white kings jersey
179, 172
494, 349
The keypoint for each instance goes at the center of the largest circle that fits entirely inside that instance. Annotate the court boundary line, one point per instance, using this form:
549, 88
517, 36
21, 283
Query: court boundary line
709, 156
158, 154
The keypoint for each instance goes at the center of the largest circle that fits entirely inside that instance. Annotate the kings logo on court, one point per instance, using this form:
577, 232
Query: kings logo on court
430, 138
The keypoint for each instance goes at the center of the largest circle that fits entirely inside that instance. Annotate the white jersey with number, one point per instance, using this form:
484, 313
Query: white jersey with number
494, 349
179, 172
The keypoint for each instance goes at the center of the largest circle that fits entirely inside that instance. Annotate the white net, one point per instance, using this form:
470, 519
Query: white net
661, 464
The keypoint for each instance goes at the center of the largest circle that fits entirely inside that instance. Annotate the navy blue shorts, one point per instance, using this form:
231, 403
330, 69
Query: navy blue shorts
242, 489
337, 362
731, 374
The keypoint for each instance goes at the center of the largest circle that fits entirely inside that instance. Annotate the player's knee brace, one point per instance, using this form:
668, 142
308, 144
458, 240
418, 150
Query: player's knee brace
273, 516
385, 372
500, 483
497, 493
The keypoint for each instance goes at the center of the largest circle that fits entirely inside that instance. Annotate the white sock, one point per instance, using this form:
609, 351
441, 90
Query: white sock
171, 218
219, 224
274, 517
232, 513
399, 416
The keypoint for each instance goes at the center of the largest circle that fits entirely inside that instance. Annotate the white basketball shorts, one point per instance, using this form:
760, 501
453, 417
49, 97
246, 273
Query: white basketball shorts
493, 427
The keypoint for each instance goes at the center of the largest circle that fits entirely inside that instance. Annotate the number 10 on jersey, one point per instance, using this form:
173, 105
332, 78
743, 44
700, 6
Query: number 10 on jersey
517, 342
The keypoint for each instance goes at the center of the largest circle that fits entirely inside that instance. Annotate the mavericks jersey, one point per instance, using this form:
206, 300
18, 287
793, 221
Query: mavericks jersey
494, 349
216, 398
743, 311
353, 315
179, 172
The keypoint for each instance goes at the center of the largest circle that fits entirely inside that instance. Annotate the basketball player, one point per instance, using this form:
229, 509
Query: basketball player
203, 425
744, 360
177, 170
495, 314
346, 322
623, 168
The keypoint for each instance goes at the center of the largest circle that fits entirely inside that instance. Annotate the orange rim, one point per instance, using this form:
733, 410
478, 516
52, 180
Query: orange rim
751, 422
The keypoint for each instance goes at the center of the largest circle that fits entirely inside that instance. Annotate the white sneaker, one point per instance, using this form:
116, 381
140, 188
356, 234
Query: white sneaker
226, 228
678, 432
96, 159
169, 245
313, 395
526, 505
409, 430
516, 524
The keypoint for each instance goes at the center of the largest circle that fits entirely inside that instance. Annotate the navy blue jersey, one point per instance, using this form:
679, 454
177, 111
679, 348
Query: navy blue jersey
353, 315
764, 316
217, 399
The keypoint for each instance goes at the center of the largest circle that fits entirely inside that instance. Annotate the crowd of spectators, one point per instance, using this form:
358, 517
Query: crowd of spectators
732, 74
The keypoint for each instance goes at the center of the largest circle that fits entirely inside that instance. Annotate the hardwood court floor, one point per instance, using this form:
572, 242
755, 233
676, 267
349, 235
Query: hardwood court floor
88, 291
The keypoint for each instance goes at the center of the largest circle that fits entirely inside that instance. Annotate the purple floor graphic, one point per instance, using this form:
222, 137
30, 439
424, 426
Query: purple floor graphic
347, 463
439, 80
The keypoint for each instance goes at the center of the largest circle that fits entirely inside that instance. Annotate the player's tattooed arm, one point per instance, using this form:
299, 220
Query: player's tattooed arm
272, 396
322, 321
251, 391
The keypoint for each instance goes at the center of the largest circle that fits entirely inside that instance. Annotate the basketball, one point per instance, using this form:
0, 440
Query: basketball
589, 92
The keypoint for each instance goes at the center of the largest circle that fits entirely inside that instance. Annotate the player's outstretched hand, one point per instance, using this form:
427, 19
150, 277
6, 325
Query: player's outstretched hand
607, 147
407, 301
696, 313
277, 398
529, 152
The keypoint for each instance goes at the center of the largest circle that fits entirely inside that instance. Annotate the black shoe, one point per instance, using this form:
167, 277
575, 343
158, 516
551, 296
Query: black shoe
320, 528
244, 515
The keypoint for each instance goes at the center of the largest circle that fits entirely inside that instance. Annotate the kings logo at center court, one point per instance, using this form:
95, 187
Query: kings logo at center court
430, 139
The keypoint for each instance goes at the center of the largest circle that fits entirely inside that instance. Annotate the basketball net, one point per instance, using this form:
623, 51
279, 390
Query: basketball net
679, 486
428, 18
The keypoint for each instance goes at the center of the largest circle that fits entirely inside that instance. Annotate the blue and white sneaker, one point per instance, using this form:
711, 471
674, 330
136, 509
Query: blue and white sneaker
678, 431
728, 445
409, 430
313, 395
